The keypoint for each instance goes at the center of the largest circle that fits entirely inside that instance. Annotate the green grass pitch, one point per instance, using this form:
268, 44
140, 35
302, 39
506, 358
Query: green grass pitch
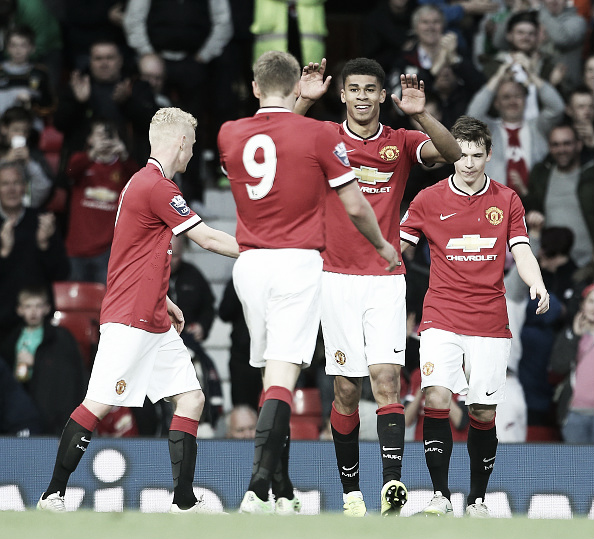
134, 525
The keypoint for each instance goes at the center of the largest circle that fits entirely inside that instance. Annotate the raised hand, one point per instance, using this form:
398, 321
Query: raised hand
312, 83
81, 86
413, 95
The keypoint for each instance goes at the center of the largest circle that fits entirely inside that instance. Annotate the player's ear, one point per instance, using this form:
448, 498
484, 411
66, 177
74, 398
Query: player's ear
490, 154
342, 98
382, 95
256, 89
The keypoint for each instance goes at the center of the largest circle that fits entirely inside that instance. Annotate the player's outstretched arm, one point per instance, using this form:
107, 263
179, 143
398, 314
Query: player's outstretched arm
529, 271
443, 147
214, 240
362, 216
312, 86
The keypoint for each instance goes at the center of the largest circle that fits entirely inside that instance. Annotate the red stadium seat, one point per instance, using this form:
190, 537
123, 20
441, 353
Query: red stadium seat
84, 326
307, 402
78, 296
537, 433
304, 428
50, 143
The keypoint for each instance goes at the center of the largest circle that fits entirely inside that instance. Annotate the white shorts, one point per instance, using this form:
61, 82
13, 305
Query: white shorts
465, 364
363, 321
279, 290
132, 363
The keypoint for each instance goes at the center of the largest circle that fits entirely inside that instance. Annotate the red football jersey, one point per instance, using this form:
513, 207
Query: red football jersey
281, 167
381, 164
150, 209
467, 236
94, 202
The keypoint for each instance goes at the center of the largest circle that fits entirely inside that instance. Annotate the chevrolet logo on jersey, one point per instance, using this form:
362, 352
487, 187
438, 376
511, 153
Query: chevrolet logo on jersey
471, 243
371, 175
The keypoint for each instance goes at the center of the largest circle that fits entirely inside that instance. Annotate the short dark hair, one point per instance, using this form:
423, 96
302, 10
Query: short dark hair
364, 66
470, 129
36, 291
21, 30
564, 125
522, 16
16, 114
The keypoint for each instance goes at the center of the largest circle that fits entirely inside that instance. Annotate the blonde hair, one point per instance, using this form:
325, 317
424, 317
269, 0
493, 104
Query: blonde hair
276, 73
170, 121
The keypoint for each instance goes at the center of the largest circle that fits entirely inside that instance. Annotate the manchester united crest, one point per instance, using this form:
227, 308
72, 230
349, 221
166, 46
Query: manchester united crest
389, 153
120, 386
340, 357
494, 215
428, 368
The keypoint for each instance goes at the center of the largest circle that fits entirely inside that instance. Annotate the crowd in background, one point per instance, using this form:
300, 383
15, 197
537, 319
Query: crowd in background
80, 82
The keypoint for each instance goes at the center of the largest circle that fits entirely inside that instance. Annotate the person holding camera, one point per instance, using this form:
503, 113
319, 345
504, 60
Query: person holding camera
97, 177
17, 145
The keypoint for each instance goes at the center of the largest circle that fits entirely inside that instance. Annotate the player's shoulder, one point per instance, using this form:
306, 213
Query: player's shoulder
401, 133
501, 190
437, 189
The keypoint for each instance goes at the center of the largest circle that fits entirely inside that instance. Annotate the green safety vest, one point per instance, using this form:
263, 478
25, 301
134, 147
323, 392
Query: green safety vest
270, 27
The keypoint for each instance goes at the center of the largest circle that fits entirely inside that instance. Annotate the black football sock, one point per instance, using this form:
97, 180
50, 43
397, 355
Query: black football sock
73, 443
183, 451
345, 433
438, 444
271, 433
390, 431
482, 448
282, 487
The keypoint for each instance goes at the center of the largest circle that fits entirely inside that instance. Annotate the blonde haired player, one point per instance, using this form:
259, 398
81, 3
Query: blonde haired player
140, 351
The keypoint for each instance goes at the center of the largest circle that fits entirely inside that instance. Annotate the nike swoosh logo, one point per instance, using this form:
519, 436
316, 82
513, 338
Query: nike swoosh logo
397, 351
389, 448
427, 442
489, 460
351, 468
350, 150
443, 217
83, 439
489, 394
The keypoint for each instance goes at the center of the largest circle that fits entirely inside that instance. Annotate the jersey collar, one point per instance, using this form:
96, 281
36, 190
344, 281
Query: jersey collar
457, 191
272, 109
351, 134
153, 161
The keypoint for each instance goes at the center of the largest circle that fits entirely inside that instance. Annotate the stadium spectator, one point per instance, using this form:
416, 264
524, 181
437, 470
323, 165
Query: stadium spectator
517, 143
105, 92
85, 23
190, 37
241, 422
31, 249
561, 188
151, 69
580, 114
436, 58
22, 82
96, 177
18, 413
573, 358
140, 351
18, 144
44, 358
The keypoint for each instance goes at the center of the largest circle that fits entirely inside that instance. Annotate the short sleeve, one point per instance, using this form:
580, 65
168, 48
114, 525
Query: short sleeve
170, 206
